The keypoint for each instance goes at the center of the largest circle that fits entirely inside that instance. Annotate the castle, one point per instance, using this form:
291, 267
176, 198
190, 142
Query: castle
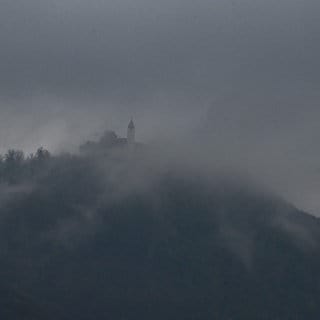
110, 140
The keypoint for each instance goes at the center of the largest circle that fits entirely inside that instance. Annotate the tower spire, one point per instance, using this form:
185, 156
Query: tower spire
131, 132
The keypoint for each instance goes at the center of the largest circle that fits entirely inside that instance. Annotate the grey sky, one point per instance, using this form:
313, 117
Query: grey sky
241, 76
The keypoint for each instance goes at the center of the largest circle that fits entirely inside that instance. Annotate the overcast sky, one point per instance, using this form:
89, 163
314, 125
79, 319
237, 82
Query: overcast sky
240, 75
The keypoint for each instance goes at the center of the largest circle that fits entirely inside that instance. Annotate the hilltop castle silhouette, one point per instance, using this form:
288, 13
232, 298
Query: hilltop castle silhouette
110, 140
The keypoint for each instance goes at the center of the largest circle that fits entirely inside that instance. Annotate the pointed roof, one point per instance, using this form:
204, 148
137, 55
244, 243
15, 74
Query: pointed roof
131, 124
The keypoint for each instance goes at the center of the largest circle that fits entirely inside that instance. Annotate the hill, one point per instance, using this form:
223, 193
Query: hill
15, 305
118, 237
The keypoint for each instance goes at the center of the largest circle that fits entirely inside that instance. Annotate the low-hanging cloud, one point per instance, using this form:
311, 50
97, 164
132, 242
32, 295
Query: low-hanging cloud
239, 79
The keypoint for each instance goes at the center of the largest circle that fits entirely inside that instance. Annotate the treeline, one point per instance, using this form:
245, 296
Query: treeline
16, 166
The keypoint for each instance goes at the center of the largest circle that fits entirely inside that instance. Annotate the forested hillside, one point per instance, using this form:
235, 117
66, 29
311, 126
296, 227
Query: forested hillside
116, 236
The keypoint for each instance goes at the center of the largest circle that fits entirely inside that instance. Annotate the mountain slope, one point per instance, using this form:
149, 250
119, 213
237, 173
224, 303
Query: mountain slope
120, 240
17, 306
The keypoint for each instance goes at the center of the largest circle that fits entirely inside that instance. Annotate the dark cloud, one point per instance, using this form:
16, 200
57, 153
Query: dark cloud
241, 76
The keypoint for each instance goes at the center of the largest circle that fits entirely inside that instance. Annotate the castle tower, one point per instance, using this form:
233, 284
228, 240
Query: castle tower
131, 133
